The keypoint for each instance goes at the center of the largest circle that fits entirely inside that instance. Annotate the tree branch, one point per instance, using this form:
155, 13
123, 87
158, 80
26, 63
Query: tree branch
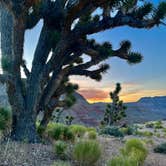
26, 70
108, 23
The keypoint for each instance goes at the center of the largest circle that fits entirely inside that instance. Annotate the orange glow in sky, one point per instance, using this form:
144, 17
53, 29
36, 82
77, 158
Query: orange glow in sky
126, 97
94, 91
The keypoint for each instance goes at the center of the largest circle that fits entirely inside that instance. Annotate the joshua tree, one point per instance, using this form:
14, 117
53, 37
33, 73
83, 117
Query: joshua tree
69, 120
62, 42
116, 110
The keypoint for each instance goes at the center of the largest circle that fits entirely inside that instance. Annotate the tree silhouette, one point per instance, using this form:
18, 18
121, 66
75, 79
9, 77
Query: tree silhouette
116, 110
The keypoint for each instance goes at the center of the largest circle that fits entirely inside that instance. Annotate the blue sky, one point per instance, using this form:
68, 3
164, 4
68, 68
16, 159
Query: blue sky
145, 79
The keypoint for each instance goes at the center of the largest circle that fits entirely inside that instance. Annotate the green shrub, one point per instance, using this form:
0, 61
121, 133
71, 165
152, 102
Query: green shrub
132, 154
149, 125
91, 129
78, 130
60, 132
135, 149
144, 133
60, 148
160, 148
122, 161
157, 135
164, 130
40, 130
92, 135
61, 163
87, 153
148, 141
112, 131
158, 125
56, 132
129, 130
68, 134
5, 118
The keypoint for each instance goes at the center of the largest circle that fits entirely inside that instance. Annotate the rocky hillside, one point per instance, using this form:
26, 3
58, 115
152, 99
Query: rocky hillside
146, 109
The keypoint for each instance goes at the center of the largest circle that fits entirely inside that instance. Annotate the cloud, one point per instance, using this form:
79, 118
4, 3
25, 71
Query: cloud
99, 91
94, 95
97, 95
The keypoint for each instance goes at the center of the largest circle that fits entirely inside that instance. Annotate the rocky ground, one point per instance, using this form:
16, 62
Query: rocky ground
16, 154
113, 145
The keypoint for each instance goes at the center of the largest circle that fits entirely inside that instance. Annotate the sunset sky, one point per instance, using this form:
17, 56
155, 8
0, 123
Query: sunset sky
145, 79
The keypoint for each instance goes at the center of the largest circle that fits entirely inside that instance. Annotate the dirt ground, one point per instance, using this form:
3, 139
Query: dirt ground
16, 154
111, 147
22, 154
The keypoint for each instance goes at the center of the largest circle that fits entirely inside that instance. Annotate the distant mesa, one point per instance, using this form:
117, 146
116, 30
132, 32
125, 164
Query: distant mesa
156, 98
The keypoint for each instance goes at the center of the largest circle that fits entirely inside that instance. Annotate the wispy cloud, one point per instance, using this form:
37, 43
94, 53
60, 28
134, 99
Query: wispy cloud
99, 91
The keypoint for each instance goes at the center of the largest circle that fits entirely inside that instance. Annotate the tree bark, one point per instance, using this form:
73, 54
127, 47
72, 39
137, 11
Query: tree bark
25, 124
25, 128
48, 112
12, 40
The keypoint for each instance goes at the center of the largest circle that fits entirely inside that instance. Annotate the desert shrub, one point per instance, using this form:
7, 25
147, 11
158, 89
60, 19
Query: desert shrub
87, 153
164, 130
149, 125
129, 130
122, 161
91, 129
112, 131
5, 118
61, 163
132, 154
157, 134
78, 130
68, 134
158, 125
60, 149
92, 135
160, 148
56, 131
148, 141
144, 133
135, 149
164, 135
41, 130
60, 132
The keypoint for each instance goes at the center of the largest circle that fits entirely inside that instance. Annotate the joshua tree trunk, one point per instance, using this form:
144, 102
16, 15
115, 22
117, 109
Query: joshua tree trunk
12, 40
25, 128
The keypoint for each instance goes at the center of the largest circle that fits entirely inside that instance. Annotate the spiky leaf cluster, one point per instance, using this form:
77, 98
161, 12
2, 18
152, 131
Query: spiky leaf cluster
69, 120
160, 12
70, 98
57, 115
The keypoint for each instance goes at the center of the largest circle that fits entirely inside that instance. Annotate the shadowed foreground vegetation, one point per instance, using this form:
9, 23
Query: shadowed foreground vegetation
77, 145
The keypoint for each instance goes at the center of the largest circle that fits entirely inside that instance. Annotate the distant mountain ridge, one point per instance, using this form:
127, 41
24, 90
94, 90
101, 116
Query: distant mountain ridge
145, 109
